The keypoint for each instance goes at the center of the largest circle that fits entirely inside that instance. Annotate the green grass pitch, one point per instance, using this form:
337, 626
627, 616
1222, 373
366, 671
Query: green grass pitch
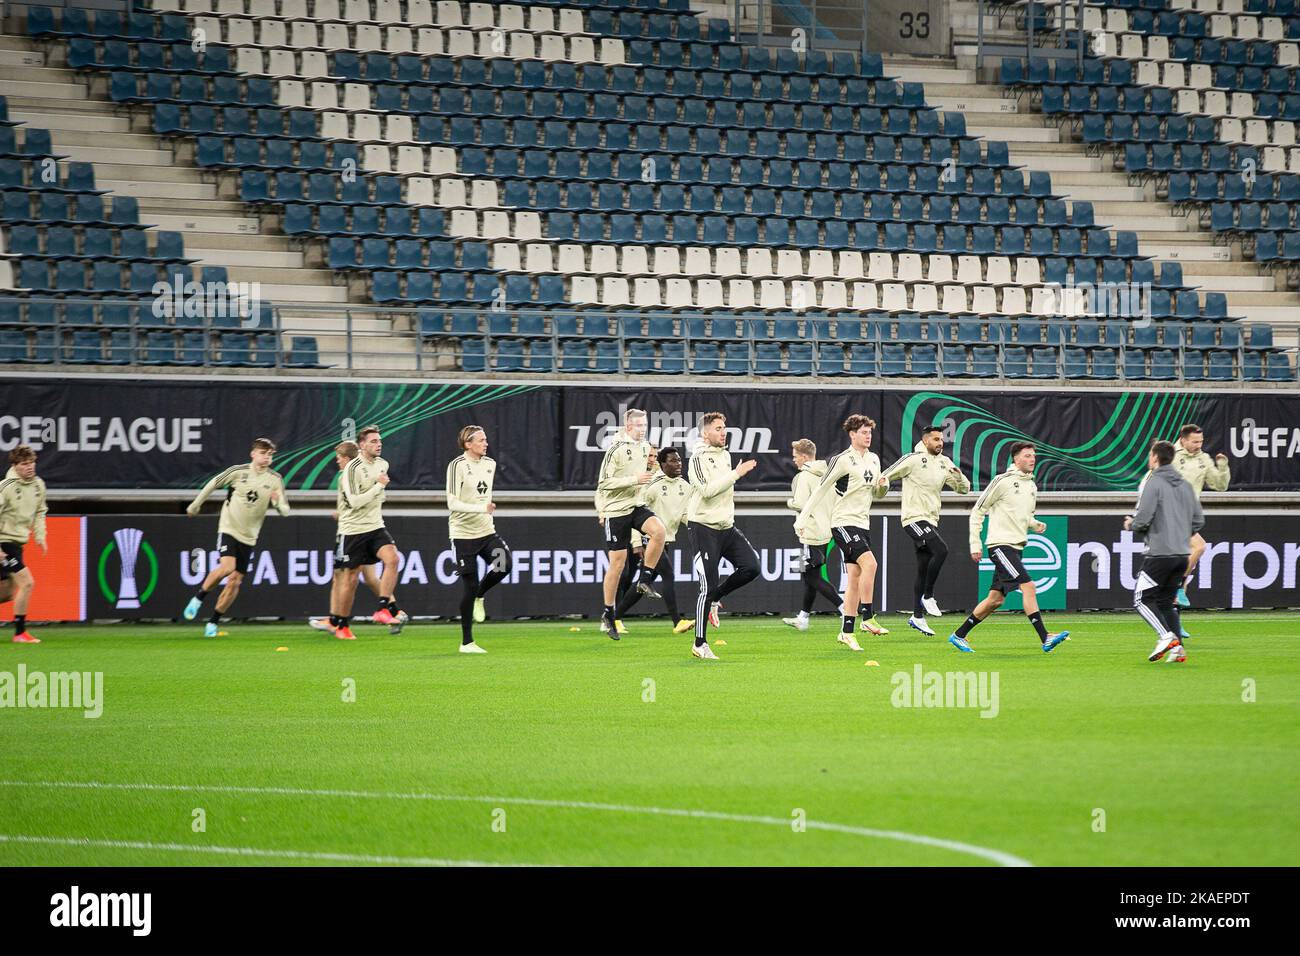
563, 747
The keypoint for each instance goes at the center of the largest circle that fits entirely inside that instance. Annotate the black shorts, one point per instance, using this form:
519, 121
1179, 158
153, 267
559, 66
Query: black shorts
1008, 570
921, 533
11, 558
618, 531
814, 557
1160, 576
491, 548
853, 542
351, 551
229, 546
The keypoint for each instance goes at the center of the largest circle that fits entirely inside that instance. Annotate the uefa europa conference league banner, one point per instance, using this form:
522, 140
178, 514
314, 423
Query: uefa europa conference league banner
149, 566
153, 434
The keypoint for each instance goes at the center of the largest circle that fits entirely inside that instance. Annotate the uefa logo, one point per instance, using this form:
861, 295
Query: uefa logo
1044, 559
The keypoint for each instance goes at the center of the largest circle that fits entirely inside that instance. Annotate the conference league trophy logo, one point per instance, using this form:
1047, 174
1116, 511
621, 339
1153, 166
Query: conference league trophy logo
131, 546
128, 545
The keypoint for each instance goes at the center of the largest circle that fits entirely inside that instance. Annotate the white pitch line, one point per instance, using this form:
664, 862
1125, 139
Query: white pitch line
244, 851
996, 856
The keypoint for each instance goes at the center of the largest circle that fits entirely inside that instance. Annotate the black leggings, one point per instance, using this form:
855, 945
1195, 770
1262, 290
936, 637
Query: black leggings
813, 582
711, 546
496, 553
627, 594
931, 553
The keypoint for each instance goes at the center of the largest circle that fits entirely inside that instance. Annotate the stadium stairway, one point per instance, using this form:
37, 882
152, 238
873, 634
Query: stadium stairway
130, 159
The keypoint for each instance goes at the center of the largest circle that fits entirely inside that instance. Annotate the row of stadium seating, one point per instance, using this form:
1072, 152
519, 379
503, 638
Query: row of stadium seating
34, 204
856, 87
102, 276
1187, 22
888, 360
123, 347
291, 60
644, 198
118, 347
629, 22
870, 327
92, 243
756, 263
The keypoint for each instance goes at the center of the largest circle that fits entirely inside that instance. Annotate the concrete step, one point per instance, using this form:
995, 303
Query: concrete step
131, 157
1140, 208
1054, 162
299, 293
372, 327
34, 72
156, 174
1141, 224
1272, 300
1099, 194
1226, 269
200, 207
1068, 177
963, 90
53, 91
163, 191
1276, 315
61, 123
1165, 247
108, 140
972, 106
915, 73
229, 225
1011, 134
11, 59
271, 277
240, 258
246, 242
13, 41
1007, 122
59, 105
1230, 283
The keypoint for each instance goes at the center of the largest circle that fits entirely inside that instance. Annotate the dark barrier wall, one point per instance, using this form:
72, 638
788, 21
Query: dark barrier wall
118, 433
1083, 561
169, 434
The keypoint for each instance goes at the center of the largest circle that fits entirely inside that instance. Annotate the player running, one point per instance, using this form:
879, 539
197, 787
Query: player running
362, 537
473, 531
625, 472
1168, 514
251, 490
853, 476
22, 516
368, 575
1199, 472
711, 516
1009, 503
925, 473
816, 534
668, 495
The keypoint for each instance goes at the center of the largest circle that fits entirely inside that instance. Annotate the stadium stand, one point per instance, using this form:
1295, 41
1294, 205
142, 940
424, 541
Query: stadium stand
617, 187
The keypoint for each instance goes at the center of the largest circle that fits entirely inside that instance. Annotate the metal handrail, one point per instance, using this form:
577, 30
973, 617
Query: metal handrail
448, 346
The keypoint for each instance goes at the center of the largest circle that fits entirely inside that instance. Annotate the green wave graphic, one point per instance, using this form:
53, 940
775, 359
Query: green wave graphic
392, 407
1113, 459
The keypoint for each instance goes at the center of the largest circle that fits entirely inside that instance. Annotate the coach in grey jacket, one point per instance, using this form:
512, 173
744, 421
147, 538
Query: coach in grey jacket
1168, 514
